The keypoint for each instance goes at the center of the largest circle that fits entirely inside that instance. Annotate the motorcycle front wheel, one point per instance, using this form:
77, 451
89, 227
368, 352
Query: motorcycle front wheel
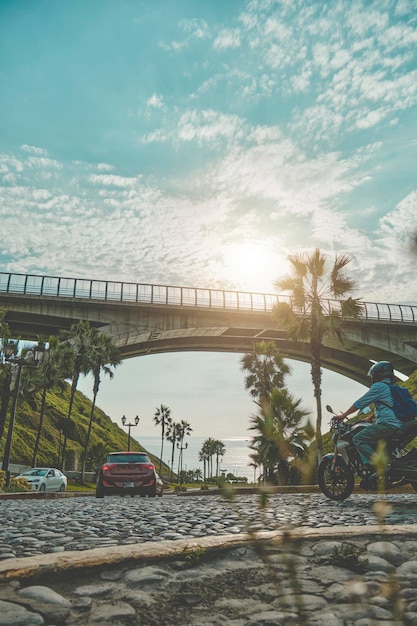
335, 482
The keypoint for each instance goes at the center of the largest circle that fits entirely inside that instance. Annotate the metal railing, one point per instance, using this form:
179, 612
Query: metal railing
112, 291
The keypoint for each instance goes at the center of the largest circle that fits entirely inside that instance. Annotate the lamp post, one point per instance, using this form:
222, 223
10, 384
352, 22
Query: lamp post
60, 444
181, 448
129, 426
10, 352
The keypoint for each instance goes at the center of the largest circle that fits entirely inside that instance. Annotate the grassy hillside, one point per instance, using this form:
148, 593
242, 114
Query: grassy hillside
104, 432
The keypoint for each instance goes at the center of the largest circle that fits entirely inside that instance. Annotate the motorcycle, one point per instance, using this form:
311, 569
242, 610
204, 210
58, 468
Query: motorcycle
336, 471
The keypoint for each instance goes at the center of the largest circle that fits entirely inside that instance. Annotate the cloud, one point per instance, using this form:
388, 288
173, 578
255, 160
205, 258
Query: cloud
34, 150
112, 179
155, 101
227, 39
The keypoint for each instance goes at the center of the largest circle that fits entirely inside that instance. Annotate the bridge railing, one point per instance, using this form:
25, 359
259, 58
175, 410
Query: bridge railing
113, 291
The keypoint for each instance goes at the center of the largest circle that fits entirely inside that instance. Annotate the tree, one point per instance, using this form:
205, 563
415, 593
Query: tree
162, 417
265, 370
281, 435
52, 375
198, 475
5, 374
78, 339
207, 452
220, 450
172, 435
98, 452
204, 458
103, 354
317, 306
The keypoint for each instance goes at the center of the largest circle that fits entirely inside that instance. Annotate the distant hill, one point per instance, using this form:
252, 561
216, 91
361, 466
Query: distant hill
106, 436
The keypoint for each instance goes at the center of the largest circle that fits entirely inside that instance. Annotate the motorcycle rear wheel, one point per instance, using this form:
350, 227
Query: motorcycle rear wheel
336, 483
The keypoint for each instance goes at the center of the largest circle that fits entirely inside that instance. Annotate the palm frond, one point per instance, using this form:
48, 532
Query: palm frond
352, 307
298, 261
315, 263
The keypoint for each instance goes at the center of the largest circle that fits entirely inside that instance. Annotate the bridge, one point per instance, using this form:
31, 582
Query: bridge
148, 319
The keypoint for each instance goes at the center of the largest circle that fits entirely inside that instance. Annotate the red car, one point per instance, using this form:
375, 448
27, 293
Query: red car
130, 473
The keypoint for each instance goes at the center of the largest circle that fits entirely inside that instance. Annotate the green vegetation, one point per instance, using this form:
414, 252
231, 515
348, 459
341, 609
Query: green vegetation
55, 425
312, 285
281, 431
211, 448
106, 436
17, 485
350, 557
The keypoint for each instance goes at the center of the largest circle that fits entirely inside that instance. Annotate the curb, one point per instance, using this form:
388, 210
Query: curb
52, 565
296, 489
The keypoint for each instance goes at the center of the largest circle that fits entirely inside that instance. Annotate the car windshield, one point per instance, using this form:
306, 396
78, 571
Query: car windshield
128, 458
35, 472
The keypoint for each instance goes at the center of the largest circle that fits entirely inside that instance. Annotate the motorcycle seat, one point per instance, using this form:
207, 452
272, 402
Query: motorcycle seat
406, 433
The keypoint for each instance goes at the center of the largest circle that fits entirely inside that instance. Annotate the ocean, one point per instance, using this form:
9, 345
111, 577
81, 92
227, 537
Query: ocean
236, 459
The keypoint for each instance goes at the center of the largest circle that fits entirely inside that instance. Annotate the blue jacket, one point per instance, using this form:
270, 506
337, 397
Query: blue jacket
377, 393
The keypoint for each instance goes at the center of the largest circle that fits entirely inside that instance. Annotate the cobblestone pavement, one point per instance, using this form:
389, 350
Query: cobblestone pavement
351, 579
32, 527
321, 563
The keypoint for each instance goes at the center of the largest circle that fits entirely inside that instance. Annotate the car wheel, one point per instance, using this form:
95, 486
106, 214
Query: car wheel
62, 487
42, 488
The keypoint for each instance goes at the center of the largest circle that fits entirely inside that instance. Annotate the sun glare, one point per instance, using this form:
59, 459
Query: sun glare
253, 267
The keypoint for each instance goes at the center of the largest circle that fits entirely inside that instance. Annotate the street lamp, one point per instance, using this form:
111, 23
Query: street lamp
129, 426
181, 448
32, 359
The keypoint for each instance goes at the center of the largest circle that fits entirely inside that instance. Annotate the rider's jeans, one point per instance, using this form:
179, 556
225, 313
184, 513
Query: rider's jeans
367, 439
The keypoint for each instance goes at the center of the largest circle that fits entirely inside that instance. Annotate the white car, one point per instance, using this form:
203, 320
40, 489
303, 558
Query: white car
45, 479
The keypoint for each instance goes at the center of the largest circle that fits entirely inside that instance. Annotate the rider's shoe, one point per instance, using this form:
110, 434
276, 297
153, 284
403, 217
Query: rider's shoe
370, 482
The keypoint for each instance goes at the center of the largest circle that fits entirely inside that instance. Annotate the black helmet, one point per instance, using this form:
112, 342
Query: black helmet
381, 370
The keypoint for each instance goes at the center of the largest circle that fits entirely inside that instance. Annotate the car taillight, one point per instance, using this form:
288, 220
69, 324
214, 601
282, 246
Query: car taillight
149, 466
108, 466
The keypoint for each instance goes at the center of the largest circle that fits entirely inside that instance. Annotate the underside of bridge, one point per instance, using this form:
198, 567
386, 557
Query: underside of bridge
148, 329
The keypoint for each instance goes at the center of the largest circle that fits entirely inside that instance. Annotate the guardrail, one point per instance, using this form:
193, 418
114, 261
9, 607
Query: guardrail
143, 293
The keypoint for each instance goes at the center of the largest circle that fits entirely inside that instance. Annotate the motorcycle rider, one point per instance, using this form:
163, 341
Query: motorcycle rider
386, 422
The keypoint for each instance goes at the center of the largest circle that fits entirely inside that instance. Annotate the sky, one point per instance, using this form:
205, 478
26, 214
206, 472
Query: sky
199, 143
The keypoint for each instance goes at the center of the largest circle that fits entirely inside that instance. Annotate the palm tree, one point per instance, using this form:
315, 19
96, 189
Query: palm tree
207, 451
220, 450
198, 475
162, 417
5, 374
52, 374
98, 452
204, 458
172, 435
265, 370
103, 355
281, 434
312, 315
78, 338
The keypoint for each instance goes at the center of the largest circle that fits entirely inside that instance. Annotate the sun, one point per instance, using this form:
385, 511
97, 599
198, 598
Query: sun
253, 266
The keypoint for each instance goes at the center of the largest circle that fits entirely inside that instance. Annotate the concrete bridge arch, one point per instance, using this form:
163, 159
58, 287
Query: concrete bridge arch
150, 319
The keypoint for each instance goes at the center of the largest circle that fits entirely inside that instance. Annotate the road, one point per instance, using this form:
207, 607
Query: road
40, 526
